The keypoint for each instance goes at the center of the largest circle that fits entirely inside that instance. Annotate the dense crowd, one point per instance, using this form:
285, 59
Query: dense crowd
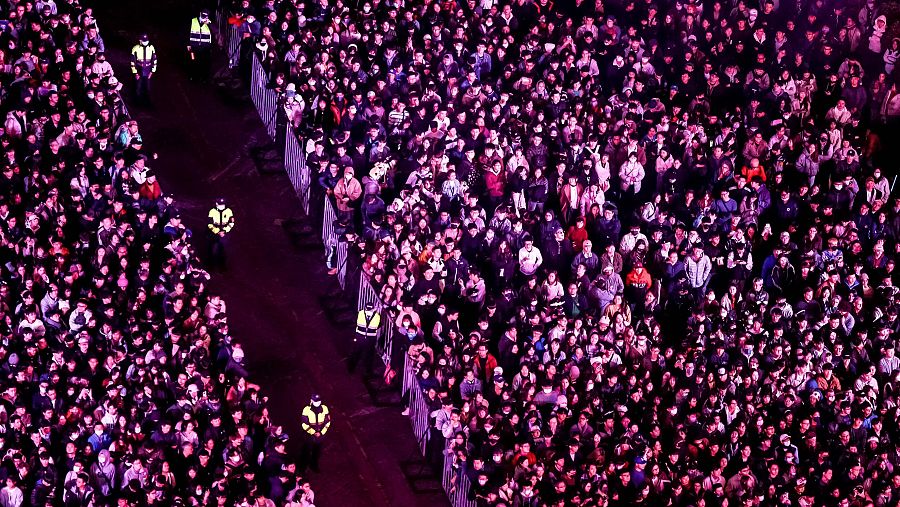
119, 381
642, 253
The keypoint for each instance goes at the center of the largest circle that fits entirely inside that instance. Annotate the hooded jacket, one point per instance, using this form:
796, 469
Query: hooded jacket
878, 29
104, 474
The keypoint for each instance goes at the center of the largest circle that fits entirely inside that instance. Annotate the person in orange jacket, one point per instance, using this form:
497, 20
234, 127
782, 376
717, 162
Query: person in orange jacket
754, 169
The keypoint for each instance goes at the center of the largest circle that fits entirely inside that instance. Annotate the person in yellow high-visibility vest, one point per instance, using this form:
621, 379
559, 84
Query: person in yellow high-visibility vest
143, 66
368, 320
315, 420
221, 221
200, 46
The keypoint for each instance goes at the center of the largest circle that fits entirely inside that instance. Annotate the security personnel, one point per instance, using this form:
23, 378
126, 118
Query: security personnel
221, 221
367, 323
200, 46
315, 421
143, 66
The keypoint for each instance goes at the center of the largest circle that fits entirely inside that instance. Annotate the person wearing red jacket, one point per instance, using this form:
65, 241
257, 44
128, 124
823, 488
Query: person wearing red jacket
637, 282
150, 190
485, 362
495, 183
577, 234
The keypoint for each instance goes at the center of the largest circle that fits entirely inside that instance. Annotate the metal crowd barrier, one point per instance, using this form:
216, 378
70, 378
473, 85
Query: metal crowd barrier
295, 165
228, 36
418, 410
334, 244
223, 29
265, 99
453, 478
455, 481
234, 46
368, 295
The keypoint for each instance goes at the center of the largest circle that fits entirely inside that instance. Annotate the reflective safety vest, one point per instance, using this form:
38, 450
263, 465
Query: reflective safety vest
221, 220
315, 420
200, 34
143, 59
367, 323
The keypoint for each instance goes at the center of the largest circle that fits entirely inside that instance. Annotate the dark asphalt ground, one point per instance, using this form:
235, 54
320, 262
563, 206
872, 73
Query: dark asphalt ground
271, 287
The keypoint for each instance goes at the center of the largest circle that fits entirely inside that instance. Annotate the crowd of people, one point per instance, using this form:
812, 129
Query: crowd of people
119, 381
641, 253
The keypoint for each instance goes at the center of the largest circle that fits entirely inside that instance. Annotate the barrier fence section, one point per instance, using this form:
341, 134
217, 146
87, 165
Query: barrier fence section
342, 249
453, 477
418, 410
233, 45
295, 165
265, 100
228, 35
455, 482
223, 28
367, 296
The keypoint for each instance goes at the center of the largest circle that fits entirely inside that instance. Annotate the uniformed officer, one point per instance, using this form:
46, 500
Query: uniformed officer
315, 420
143, 66
200, 46
367, 323
221, 221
